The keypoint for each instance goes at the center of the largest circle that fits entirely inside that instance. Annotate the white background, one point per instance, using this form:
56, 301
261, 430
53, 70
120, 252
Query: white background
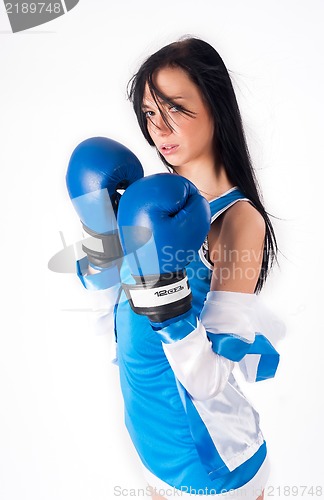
61, 419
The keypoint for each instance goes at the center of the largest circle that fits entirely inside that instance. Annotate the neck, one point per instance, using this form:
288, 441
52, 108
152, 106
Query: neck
211, 181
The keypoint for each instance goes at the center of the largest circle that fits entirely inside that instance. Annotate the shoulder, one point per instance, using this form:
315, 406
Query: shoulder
243, 218
236, 242
239, 222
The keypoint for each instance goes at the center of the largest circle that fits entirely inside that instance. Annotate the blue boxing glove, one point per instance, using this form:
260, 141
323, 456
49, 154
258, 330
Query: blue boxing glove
163, 221
97, 169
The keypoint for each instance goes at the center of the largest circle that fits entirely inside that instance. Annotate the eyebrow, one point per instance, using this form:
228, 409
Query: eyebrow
176, 98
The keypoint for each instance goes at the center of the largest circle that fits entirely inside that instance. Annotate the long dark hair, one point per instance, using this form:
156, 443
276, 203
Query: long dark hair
207, 70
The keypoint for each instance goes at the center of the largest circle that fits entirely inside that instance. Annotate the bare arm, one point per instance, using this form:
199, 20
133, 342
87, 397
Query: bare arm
236, 248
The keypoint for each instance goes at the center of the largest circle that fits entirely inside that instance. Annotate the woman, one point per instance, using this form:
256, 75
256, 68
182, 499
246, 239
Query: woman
195, 436
186, 108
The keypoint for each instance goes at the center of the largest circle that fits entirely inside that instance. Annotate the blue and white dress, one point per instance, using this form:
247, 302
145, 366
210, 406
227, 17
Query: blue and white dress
192, 427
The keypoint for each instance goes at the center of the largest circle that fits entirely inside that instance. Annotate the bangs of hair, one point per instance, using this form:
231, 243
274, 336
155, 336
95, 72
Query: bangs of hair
158, 98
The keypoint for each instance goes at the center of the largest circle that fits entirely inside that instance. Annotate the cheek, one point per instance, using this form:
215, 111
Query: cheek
203, 133
208, 129
149, 128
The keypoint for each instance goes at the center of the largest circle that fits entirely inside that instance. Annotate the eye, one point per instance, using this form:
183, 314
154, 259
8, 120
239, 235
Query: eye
148, 114
175, 109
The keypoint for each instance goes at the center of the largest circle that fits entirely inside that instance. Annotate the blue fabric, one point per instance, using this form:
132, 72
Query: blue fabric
228, 345
269, 360
163, 423
224, 201
107, 278
176, 328
208, 454
235, 348
155, 416
206, 449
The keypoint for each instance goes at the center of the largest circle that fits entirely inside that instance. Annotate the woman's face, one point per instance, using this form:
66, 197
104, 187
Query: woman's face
190, 142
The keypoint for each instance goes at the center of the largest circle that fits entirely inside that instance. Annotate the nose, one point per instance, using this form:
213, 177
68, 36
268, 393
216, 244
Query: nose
160, 128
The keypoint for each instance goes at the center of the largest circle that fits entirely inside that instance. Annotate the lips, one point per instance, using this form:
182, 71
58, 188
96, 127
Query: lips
168, 149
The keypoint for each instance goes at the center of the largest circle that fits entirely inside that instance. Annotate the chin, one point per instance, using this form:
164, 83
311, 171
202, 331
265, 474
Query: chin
171, 164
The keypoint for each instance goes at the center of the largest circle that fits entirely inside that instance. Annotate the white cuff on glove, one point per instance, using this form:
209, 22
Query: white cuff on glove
202, 372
